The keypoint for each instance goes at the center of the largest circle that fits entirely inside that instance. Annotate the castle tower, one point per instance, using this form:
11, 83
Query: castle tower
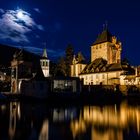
107, 47
44, 62
15, 73
20, 70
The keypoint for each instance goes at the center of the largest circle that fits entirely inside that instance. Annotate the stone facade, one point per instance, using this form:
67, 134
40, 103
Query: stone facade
110, 51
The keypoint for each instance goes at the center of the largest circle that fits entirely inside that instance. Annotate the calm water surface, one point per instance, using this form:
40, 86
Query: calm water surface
28, 121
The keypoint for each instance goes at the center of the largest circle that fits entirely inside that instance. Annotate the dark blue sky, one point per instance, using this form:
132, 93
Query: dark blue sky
78, 22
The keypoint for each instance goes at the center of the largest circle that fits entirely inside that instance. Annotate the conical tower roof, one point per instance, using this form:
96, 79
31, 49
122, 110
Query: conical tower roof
105, 36
45, 53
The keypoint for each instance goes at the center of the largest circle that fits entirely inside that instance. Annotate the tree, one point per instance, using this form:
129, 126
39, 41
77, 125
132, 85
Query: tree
53, 68
68, 58
61, 67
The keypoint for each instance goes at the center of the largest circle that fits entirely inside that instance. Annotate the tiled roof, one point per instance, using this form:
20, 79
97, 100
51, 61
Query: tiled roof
100, 65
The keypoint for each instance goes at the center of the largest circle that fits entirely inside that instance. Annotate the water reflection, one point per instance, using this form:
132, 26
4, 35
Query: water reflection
108, 122
44, 133
32, 121
14, 116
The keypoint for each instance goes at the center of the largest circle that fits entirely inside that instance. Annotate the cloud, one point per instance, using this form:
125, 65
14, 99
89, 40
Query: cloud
52, 53
16, 25
37, 10
1, 10
40, 27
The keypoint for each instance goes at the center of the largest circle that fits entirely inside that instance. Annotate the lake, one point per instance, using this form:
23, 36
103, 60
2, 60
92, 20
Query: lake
38, 121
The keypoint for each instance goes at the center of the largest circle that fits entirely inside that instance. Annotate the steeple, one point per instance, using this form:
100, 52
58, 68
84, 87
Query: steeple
44, 62
44, 53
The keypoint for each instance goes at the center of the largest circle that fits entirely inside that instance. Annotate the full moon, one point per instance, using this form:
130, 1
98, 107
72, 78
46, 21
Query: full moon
20, 14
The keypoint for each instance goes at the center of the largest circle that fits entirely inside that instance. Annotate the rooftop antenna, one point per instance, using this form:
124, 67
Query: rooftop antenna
106, 25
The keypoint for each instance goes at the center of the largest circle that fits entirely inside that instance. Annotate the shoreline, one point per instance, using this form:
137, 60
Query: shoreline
54, 99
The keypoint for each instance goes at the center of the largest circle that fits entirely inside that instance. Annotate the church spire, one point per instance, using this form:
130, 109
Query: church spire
44, 62
44, 53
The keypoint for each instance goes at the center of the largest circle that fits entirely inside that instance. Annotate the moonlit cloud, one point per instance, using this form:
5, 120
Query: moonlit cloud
37, 10
1, 10
53, 53
16, 25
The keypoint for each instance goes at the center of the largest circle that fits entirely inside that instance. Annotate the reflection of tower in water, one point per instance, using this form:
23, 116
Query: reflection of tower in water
15, 115
44, 133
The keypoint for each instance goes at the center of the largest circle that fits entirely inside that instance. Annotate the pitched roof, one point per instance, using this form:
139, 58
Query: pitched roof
39, 76
100, 65
25, 56
105, 36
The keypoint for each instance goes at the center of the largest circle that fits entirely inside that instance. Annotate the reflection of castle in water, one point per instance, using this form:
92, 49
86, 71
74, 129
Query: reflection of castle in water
107, 123
33, 121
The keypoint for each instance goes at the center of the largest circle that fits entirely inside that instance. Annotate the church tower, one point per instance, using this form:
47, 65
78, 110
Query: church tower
107, 47
44, 62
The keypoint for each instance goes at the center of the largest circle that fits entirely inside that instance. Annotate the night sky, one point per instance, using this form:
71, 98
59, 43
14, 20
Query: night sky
35, 24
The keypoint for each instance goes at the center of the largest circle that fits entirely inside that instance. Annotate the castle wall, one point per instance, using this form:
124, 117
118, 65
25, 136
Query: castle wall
99, 51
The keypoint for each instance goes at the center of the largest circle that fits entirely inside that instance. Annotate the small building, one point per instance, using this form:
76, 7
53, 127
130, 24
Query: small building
66, 84
27, 75
21, 68
131, 79
38, 86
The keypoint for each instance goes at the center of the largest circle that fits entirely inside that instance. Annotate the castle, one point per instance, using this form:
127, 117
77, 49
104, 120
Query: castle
106, 66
